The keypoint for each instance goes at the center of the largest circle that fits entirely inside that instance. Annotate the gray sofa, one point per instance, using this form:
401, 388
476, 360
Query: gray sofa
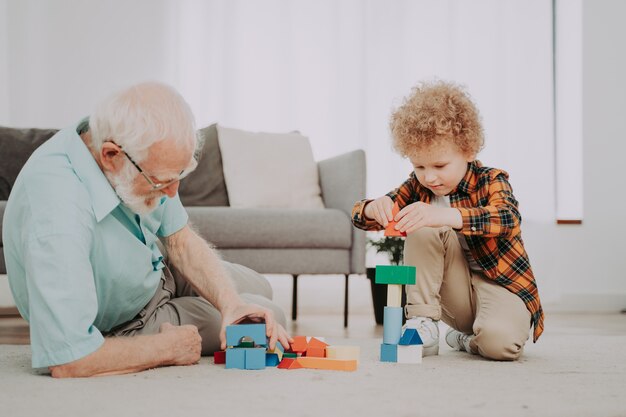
270, 241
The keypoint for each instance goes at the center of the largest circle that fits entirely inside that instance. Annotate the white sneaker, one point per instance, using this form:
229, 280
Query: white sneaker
459, 341
428, 330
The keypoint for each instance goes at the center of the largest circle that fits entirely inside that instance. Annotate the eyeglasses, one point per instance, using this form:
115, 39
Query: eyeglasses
157, 185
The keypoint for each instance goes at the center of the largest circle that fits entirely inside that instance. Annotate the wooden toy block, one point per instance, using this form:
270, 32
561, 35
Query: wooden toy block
316, 348
392, 325
388, 353
289, 363
328, 364
410, 337
394, 295
255, 358
343, 352
236, 332
274, 356
390, 230
410, 354
219, 357
271, 359
299, 344
395, 274
290, 355
235, 359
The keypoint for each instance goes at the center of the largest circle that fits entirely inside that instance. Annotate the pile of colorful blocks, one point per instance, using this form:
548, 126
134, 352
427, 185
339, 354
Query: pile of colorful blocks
248, 349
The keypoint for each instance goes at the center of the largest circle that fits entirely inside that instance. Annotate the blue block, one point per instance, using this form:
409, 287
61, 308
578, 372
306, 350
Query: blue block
235, 358
271, 359
411, 337
255, 358
388, 353
392, 323
235, 332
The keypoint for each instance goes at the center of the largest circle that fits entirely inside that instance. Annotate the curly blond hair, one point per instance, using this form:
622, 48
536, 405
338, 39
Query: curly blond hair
434, 112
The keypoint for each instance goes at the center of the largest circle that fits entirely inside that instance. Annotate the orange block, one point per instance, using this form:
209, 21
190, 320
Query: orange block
389, 230
299, 344
328, 364
289, 363
316, 348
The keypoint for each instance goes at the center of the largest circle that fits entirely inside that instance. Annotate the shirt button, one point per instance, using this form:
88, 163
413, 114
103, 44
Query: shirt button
473, 229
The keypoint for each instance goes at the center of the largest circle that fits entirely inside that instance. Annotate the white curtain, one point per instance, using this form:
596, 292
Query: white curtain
332, 69
335, 69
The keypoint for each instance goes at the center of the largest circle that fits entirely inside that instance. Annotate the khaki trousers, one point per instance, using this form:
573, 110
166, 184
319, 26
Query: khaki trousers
176, 302
447, 290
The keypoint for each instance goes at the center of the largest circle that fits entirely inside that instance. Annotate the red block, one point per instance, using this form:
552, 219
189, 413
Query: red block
219, 357
289, 363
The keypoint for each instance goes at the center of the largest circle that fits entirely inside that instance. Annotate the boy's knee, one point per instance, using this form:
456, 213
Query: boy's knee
496, 341
422, 237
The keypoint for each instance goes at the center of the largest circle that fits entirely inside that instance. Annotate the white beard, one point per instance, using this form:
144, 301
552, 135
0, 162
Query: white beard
123, 185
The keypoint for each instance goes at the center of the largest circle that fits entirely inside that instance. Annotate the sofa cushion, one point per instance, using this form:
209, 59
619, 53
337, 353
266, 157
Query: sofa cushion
269, 170
205, 186
272, 228
16, 146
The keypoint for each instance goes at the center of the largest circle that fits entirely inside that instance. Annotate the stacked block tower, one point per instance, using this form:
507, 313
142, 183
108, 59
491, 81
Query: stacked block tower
396, 346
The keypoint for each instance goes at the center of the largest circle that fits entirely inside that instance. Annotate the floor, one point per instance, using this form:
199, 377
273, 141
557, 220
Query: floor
578, 368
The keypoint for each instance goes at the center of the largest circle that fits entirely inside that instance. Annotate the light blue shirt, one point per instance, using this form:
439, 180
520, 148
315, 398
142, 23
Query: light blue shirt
79, 262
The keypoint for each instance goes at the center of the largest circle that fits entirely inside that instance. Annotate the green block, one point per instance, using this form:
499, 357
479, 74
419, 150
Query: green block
395, 274
290, 355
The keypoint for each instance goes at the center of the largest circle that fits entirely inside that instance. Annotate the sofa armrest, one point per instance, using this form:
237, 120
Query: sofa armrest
342, 180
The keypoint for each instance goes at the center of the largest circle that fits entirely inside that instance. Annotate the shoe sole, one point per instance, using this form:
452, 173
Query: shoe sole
430, 351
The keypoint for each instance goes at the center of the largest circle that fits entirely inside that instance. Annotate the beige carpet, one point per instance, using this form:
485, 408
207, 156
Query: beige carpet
571, 372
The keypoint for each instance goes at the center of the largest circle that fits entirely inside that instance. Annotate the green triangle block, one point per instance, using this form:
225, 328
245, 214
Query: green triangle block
395, 274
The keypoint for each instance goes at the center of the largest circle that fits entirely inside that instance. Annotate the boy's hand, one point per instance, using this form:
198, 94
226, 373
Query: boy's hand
418, 215
380, 210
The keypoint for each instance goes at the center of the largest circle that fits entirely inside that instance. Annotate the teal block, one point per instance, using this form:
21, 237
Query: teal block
255, 358
235, 332
235, 359
410, 337
395, 274
392, 325
388, 353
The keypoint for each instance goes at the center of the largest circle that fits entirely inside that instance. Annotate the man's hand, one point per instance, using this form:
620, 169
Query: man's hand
380, 210
253, 313
184, 341
417, 215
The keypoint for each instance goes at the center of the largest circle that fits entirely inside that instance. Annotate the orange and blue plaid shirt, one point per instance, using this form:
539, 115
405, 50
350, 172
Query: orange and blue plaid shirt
491, 226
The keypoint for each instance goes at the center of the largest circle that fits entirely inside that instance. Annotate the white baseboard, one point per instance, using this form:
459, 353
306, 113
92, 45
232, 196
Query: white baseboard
587, 303
6, 298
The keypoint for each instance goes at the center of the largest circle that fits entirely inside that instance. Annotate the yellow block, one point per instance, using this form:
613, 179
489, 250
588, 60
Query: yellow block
394, 295
329, 364
343, 352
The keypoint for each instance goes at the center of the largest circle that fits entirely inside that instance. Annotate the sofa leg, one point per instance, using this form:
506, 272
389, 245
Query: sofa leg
294, 299
345, 303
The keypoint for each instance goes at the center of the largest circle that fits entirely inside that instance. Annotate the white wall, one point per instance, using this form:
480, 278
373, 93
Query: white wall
64, 55
589, 259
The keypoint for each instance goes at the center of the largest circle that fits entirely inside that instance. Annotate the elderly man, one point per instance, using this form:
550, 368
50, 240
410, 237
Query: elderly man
80, 237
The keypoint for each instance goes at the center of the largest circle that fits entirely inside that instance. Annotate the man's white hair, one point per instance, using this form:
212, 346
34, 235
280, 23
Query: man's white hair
140, 116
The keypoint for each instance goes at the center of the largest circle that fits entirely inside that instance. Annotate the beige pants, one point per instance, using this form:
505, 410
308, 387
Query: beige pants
447, 290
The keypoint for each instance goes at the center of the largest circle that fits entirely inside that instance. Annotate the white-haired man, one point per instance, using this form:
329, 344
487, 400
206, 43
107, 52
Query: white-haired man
80, 236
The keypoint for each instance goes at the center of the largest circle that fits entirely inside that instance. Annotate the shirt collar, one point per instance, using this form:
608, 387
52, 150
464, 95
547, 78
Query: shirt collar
470, 180
103, 197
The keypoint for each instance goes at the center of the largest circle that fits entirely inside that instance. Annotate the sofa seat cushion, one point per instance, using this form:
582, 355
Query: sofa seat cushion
228, 227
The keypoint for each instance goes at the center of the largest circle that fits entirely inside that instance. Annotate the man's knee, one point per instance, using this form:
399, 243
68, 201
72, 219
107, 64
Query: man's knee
279, 314
495, 340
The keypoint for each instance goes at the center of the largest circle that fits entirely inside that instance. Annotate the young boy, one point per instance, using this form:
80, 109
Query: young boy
463, 230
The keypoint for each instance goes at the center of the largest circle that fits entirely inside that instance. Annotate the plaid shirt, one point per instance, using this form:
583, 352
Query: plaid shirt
491, 226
